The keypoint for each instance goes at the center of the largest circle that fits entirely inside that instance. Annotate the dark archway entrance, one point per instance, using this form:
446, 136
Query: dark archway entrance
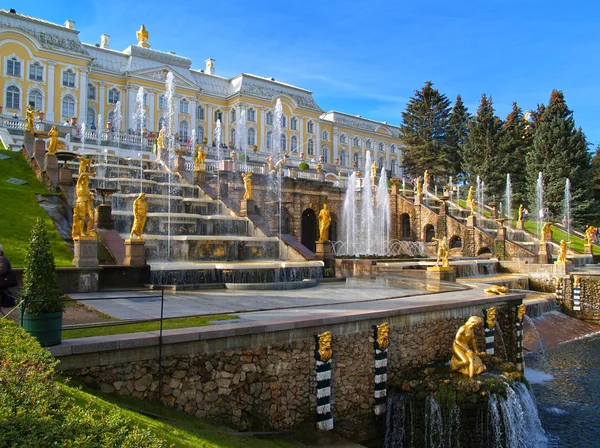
429, 233
405, 226
309, 229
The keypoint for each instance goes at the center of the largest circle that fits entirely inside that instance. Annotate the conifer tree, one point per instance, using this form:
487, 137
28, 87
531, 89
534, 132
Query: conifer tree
515, 142
458, 130
596, 173
560, 152
423, 131
481, 152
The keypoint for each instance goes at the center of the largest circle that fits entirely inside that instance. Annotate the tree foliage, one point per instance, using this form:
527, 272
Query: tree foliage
457, 134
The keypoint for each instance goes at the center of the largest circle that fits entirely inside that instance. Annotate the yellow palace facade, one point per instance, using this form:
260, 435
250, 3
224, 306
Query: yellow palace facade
45, 65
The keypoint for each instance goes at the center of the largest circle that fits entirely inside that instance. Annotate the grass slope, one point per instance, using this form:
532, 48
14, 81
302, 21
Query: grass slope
19, 209
177, 428
557, 235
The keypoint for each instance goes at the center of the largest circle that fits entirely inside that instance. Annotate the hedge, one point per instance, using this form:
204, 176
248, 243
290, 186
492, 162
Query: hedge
34, 412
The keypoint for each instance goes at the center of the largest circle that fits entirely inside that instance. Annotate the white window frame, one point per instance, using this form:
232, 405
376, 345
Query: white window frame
219, 116
69, 114
184, 106
368, 144
16, 63
269, 118
69, 78
251, 136
283, 122
15, 91
232, 115
200, 112
343, 158
93, 116
269, 138
325, 135
310, 127
251, 115
35, 69
325, 153
311, 147
111, 96
232, 137
184, 131
393, 149
356, 141
283, 142
36, 106
200, 133
91, 92
294, 144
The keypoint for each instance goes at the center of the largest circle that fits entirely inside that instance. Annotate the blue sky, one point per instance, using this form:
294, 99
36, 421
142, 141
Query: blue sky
368, 57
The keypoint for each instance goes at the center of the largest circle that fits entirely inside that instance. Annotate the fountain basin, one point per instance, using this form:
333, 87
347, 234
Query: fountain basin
272, 286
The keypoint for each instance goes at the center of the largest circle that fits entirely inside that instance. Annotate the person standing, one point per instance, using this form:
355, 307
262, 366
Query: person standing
8, 279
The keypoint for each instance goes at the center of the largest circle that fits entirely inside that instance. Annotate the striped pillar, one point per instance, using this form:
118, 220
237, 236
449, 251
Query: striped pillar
323, 355
489, 327
576, 294
381, 350
560, 292
519, 328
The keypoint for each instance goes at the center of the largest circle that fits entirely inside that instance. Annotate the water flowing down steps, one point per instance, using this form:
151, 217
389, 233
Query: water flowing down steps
553, 328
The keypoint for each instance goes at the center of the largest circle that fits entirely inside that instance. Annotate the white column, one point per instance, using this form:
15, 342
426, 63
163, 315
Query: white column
50, 95
83, 99
336, 139
101, 102
263, 125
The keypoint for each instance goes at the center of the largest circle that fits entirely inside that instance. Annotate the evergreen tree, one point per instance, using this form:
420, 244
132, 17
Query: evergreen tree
481, 155
423, 132
515, 142
458, 131
560, 152
596, 173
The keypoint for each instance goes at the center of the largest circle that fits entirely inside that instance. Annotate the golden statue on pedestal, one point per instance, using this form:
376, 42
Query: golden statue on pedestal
442, 251
84, 165
590, 234
142, 37
324, 346
30, 115
83, 208
324, 223
419, 188
491, 317
140, 210
160, 142
53, 143
465, 357
521, 311
521, 211
426, 179
471, 200
200, 158
562, 251
545, 230
247, 185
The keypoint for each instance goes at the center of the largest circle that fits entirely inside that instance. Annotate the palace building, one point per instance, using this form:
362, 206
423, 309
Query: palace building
45, 65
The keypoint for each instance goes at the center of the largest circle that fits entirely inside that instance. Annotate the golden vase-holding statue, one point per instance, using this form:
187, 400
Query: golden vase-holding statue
84, 165
247, 185
200, 158
442, 251
491, 317
324, 223
426, 179
160, 142
521, 211
419, 187
30, 118
83, 208
545, 230
140, 211
590, 234
53, 142
521, 309
471, 200
465, 357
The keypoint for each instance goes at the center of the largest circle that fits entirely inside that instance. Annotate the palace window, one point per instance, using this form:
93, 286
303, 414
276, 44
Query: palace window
91, 92
325, 153
68, 79
91, 116
270, 118
13, 67
356, 141
68, 107
184, 106
283, 143
381, 163
294, 144
218, 116
162, 102
311, 147
251, 115
294, 124
310, 127
283, 121
356, 158
232, 138
35, 99
381, 146
200, 134
343, 139
200, 112
183, 131
325, 135
36, 72
393, 149
13, 98
269, 140
251, 136
393, 167
368, 144
233, 115
344, 158
113, 96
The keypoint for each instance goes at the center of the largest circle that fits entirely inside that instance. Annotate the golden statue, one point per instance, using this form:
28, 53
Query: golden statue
142, 37
496, 289
140, 210
269, 161
53, 143
419, 188
84, 165
521, 311
247, 185
382, 335
545, 230
426, 179
562, 251
324, 346
279, 164
319, 167
576, 281
471, 200
521, 209
590, 234
29, 118
83, 208
200, 158
491, 317
465, 357
324, 223
442, 251
374, 170
160, 142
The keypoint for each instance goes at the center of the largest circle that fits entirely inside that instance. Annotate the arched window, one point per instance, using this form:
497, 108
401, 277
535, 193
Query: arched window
429, 233
183, 131
311, 147
218, 116
200, 134
356, 141
283, 143
310, 127
68, 79
381, 146
90, 117
344, 158
251, 115
13, 98
13, 67
232, 115
68, 107
356, 158
393, 167
200, 112
251, 136
184, 106
113, 96
270, 118
343, 139
381, 163
162, 122
393, 149
232, 138
325, 153
162, 102
269, 140
91, 92
325, 135
455, 242
36, 72
368, 144
35, 99
294, 124
283, 121
294, 144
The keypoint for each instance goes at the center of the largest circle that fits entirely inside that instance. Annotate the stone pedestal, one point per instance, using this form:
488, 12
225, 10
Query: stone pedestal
548, 236
418, 199
520, 225
543, 256
135, 254
563, 267
444, 206
471, 221
180, 165
502, 231
65, 175
394, 190
247, 207
28, 142
321, 176
323, 252
443, 274
51, 168
39, 152
293, 172
587, 249
199, 177
103, 218
86, 252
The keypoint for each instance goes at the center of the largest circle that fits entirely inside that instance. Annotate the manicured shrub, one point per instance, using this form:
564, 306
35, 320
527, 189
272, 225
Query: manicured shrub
303, 166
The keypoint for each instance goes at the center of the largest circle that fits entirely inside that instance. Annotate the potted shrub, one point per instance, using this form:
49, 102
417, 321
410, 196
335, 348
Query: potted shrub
303, 166
43, 305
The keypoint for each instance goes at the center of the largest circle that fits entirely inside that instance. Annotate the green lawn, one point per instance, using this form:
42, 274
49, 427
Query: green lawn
20, 209
558, 235
177, 428
168, 324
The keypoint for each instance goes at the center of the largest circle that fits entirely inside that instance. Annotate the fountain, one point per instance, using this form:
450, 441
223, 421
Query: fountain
170, 142
539, 212
277, 119
99, 129
218, 136
508, 200
567, 208
83, 129
241, 137
116, 125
